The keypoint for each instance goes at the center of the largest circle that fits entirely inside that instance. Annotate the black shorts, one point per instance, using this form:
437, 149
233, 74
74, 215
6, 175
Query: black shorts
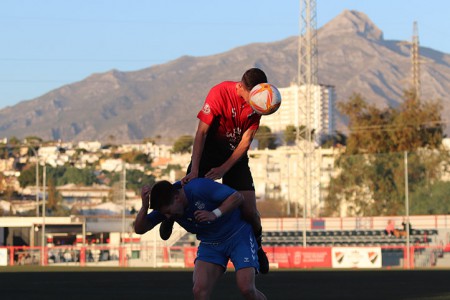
238, 177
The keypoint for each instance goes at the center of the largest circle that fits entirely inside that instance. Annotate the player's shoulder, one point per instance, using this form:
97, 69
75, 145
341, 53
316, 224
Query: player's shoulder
200, 181
177, 185
224, 85
200, 184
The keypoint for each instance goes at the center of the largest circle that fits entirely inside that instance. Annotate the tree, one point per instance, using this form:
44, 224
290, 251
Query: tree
277, 208
434, 199
149, 140
54, 200
136, 157
371, 179
143, 159
412, 125
60, 175
74, 175
183, 144
14, 141
136, 179
33, 140
333, 140
265, 138
169, 168
290, 134
27, 176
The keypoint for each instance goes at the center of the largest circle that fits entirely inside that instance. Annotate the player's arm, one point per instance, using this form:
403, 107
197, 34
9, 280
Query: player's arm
144, 222
240, 150
231, 203
197, 150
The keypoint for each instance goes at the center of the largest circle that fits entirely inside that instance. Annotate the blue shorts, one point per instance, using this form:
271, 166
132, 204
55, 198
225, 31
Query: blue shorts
241, 248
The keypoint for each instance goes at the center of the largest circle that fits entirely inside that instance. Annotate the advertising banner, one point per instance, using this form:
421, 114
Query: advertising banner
317, 257
190, 253
299, 257
356, 257
3, 257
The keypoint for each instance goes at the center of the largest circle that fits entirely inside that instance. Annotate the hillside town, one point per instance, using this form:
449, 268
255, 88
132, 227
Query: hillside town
275, 174
98, 198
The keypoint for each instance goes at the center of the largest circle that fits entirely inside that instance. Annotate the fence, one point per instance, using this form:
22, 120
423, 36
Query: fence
283, 257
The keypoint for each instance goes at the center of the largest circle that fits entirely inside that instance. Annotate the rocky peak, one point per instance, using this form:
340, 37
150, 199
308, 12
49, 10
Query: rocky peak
351, 22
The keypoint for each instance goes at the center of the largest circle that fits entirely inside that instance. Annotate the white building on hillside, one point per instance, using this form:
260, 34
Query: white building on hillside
90, 146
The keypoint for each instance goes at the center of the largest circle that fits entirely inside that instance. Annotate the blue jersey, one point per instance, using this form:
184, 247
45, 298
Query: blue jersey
206, 194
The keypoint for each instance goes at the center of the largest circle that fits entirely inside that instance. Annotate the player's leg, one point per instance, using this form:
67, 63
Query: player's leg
205, 278
251, 215
245, 279
242, 254
210, 264
240, 178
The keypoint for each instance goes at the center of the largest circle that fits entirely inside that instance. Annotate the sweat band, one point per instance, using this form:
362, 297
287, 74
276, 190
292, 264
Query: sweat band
217, 212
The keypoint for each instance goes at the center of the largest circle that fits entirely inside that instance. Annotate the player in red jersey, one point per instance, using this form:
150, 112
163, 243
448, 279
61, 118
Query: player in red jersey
227, 126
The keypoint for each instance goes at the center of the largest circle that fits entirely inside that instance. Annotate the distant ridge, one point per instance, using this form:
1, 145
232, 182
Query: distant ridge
163, 100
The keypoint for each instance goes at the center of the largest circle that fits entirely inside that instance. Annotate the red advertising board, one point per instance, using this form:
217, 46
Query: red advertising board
299, 257
284, 257
190, 253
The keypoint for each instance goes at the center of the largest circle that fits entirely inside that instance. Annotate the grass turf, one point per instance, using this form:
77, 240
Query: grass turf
133, 283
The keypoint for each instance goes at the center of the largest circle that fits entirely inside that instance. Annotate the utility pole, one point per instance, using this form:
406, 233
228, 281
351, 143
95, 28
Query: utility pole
307, 82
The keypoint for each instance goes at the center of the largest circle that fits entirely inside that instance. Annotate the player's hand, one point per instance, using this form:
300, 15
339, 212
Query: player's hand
215, 173
145, 195
188, 177
204, 216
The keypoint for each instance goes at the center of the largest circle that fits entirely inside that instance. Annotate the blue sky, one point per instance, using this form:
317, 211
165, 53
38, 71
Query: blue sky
50, 43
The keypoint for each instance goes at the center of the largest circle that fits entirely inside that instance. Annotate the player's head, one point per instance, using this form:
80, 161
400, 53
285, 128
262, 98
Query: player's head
162, 194
250, 79
164, 198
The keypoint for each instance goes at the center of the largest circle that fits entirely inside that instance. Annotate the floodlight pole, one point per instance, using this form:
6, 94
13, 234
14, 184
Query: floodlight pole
122, 240
43, 239
37, 186
407, 227
36, 155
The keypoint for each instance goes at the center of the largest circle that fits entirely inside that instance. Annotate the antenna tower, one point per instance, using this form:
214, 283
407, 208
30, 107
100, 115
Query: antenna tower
415, 57
307, 82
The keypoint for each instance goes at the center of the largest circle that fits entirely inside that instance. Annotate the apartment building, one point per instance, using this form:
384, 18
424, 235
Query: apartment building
293, 110
279, 174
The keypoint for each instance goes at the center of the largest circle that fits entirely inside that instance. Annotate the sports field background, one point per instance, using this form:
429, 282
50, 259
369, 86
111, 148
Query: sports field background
116, 283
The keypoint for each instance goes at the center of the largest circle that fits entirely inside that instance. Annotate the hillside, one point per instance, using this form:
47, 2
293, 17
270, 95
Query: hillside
163, 100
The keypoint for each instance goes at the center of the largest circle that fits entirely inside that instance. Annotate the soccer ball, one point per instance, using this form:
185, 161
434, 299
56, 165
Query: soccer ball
265, 99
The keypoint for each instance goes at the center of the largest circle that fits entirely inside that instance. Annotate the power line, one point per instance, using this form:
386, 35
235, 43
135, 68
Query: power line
393, 127
81, 60
158, 22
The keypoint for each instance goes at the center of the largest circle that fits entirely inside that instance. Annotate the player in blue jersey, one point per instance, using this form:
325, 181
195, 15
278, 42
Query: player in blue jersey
211, 211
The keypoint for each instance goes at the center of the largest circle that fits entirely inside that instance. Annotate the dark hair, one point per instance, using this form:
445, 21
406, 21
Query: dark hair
253, 77
162, 194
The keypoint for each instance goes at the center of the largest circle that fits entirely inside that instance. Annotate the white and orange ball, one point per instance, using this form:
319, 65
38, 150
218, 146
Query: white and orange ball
265, 98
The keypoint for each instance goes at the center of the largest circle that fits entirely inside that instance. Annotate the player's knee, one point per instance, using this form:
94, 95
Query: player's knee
248, 291
199, 291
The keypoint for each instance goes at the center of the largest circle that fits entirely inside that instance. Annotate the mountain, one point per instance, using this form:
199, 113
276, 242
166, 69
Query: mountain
163, 100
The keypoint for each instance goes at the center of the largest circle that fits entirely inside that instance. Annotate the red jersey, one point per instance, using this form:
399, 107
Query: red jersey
228, 116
